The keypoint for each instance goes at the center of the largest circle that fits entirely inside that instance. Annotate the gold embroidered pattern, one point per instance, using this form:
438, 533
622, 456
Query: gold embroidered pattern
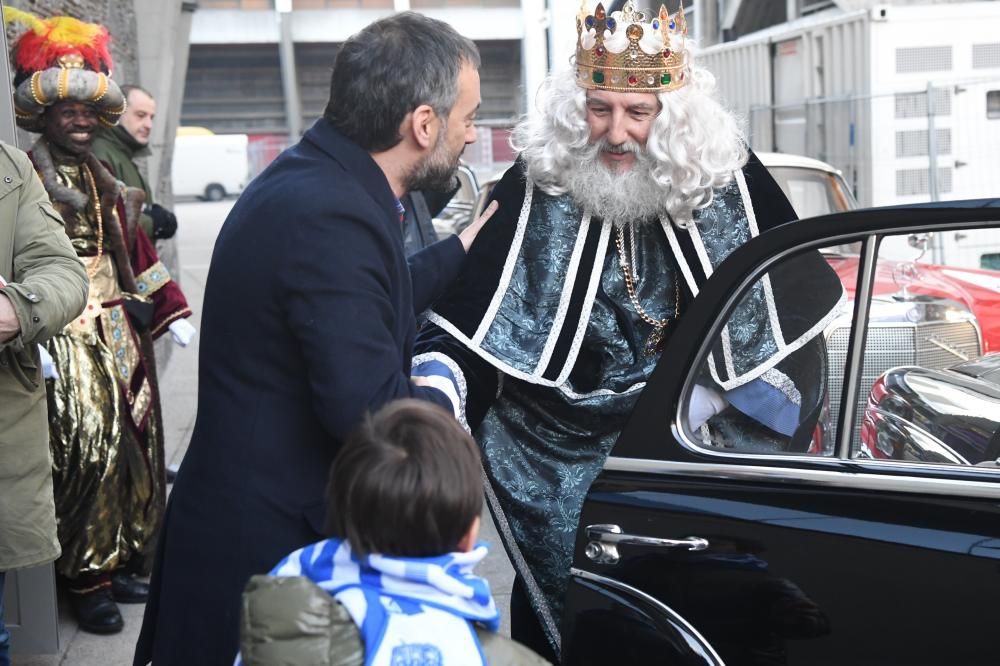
143, 401
152, 279
84, 326
118, 337
103, 288
62, 87
36, 89
102, 88
104, 283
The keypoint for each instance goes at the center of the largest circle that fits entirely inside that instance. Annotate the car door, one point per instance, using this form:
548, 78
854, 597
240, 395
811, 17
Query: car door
704, 544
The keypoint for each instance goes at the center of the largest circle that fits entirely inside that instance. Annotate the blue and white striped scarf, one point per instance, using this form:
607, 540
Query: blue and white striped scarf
410, 611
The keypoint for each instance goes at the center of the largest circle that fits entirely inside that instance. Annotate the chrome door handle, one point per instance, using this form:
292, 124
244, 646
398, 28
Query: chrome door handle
605, 539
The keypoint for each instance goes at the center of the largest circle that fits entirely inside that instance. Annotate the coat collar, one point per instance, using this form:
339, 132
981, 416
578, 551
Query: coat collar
108, 186
119, 136
355, 160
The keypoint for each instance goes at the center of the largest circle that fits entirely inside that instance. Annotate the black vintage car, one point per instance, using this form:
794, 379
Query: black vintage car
708, 547
937, 416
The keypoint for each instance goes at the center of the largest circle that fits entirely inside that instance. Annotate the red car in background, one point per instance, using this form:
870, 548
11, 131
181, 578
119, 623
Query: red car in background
929, 326
978, 290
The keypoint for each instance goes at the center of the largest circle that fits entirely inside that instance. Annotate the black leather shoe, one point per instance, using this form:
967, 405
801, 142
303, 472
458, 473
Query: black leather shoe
127, 589
97, 612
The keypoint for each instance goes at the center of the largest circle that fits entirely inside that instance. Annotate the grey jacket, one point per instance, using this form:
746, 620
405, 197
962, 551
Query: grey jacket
47, 286
290, 620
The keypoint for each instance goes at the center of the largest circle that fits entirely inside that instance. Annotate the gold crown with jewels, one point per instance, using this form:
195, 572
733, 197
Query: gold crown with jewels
624, 52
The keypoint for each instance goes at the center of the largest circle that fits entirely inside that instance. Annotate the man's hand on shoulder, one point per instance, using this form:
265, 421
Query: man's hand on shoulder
9, 325
470, 232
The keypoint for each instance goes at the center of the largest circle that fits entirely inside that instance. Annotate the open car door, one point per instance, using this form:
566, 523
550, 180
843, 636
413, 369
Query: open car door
727, 542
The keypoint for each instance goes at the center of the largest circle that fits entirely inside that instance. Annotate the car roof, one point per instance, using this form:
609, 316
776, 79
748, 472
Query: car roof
799, 161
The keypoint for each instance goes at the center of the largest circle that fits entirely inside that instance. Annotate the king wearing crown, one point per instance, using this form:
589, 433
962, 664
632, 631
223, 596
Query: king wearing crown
631, 186
105, 430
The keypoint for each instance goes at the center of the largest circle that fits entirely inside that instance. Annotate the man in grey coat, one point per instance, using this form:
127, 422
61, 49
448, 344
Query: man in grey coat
42, 287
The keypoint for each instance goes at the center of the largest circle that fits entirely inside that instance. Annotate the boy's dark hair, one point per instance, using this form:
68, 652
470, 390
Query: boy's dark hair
406, 483
390, 68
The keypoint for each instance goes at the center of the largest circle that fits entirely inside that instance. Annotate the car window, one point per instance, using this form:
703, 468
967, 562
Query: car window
770, 382
813, 192
930, 391
929, 386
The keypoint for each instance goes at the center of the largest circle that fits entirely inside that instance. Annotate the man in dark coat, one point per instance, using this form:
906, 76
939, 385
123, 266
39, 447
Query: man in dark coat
309, 321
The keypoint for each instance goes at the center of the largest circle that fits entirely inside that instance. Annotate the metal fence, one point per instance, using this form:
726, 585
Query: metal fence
940, 143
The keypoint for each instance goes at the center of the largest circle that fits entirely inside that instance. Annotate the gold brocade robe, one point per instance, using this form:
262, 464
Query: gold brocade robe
104, 439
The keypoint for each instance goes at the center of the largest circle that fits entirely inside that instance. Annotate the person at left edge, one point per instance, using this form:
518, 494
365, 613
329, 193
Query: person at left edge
308, 322
42, 287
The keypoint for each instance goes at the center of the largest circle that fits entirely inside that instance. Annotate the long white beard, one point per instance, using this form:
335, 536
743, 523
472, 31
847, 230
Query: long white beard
625, 197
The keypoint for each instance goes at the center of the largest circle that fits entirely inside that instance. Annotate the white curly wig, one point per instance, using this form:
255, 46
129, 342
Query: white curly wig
694, 145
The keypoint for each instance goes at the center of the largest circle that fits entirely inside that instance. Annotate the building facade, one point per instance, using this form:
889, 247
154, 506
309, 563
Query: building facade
262, 68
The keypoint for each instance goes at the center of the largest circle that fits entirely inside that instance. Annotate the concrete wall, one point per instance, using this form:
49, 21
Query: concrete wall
118, 17
163, 29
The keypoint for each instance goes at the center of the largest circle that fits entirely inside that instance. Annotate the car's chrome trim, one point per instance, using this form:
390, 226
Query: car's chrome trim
653, 601
861, 475
854, 363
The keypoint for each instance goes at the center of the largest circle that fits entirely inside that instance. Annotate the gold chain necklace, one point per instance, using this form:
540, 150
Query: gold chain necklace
89, 177
654, 344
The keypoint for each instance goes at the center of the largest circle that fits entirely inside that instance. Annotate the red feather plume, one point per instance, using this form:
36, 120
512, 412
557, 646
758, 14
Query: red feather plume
62, 35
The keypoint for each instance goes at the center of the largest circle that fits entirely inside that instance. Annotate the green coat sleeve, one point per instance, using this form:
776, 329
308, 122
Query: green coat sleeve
48, 287
291, 620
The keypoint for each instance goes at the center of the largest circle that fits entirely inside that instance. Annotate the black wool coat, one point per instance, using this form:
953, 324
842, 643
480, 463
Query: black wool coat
308, 322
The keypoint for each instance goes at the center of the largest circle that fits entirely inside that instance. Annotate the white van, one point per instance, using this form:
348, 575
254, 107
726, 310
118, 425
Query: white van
209, 166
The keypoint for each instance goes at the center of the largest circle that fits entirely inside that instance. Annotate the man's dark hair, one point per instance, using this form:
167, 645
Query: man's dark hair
389, 69
129, 87
406, 483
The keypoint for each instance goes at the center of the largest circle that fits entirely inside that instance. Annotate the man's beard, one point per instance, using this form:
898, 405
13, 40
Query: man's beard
623, 197
436, 172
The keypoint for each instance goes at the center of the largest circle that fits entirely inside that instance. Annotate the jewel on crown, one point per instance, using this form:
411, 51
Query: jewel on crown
625, 52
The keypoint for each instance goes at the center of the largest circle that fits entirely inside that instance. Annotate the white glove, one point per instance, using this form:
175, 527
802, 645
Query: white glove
48, 365
705, 403
182, 332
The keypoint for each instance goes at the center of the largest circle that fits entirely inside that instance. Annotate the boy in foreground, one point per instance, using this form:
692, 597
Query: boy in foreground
394, 583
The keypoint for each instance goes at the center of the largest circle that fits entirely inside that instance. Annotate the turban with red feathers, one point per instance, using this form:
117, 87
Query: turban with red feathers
62, 59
